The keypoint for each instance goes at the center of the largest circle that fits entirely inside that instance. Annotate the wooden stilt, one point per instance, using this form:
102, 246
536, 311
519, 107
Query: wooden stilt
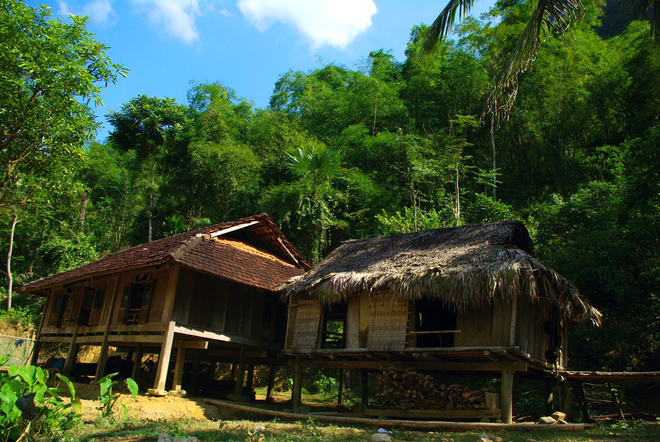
240, 374
506, 397
163, 362
296, 393
342, 386
135, 374
549, 397
250, 377
103, 354
565, 397
193, 377
365, 389
72, 354
271, 382
178, 366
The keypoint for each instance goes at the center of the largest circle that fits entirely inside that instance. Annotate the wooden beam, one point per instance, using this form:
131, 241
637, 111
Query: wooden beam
212, 336
271, 382
232, 229
437, 366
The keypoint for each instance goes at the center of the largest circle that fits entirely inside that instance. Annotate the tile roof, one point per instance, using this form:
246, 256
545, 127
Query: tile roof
256, 242
239, 262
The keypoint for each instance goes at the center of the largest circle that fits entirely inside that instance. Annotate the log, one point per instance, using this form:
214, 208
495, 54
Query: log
411, 425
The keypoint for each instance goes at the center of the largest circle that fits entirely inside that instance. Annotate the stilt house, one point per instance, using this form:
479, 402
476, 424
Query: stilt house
210, 290
466, 299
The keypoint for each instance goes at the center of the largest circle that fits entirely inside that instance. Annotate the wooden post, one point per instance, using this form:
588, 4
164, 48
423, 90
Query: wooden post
193, 377
342, 386
103, 354
163, 362
240, 374
365, 389
135, 374
178, 366
271, 382
296, 393
565, 397
37, 345
72, 354
506, 397
250, 377
170, 294
548, 396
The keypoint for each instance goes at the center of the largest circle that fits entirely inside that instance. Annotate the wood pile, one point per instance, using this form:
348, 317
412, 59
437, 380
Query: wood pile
409, 390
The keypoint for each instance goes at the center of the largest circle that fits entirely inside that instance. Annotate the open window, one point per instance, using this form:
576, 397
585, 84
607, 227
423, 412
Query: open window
435, 324
136, 301
334, 326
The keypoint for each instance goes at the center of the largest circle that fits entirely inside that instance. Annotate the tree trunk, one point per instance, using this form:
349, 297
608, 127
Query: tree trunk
151, 202
11, 247
492, 140
83, 208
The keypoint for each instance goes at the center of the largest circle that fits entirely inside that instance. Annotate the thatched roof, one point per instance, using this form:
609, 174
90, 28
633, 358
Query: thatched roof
466, 267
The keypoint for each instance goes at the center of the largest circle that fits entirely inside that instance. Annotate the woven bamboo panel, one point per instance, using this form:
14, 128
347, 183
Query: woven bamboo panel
388, 320
306, 331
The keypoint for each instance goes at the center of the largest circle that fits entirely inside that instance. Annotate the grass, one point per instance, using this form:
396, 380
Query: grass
132, 429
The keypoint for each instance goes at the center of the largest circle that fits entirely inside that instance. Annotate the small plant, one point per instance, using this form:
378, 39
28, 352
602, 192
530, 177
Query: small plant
28, 406
107, 399
256, 434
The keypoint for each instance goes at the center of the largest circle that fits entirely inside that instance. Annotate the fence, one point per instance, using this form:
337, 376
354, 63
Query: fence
20, 349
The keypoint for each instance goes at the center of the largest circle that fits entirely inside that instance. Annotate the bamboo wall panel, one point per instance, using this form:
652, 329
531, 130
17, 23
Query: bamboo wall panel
501, 323
475, 326
353, 322
388, 321
306, 329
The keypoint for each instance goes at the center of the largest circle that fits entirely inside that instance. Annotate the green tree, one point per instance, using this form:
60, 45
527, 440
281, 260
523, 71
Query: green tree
148, 126
50, 71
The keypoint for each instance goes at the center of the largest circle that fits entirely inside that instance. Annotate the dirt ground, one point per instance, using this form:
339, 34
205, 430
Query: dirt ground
148, 407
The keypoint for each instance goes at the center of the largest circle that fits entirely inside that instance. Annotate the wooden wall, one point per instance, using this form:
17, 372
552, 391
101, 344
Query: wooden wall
216, 304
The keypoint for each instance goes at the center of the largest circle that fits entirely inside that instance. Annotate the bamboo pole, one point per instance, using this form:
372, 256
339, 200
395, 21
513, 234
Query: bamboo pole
411, 425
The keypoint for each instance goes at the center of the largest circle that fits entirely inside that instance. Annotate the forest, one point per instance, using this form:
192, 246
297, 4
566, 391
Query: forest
343, 152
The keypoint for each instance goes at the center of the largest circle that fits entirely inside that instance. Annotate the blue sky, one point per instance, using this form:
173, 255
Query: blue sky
244, 44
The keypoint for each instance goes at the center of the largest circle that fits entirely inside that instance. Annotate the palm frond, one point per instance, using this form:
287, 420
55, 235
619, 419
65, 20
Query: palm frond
552, 14
650, 10
444, 23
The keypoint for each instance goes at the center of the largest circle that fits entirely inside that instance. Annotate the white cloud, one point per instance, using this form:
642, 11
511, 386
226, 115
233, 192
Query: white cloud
100, 12
177, 16
323, 22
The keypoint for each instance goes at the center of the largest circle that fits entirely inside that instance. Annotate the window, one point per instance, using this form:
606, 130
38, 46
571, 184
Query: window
435, 324
334, 326
135, 302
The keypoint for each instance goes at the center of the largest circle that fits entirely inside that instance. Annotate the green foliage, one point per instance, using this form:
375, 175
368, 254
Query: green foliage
107, 399
29, 406
51, 71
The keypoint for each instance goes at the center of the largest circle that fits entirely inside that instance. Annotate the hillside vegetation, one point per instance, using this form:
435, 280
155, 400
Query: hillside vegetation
381, 147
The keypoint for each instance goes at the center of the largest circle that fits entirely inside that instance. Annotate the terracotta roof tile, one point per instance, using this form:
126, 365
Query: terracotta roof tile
259, 230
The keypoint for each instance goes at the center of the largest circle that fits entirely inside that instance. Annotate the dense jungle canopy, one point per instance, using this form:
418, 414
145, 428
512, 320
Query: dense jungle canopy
352, 152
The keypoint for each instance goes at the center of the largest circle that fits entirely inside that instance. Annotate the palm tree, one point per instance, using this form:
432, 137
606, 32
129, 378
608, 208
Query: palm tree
550, 14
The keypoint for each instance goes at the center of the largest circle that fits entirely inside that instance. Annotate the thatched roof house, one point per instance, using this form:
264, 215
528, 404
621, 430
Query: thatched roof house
470, 298
465, 267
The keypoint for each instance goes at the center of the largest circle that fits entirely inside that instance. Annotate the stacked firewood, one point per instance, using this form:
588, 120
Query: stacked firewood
409, 390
